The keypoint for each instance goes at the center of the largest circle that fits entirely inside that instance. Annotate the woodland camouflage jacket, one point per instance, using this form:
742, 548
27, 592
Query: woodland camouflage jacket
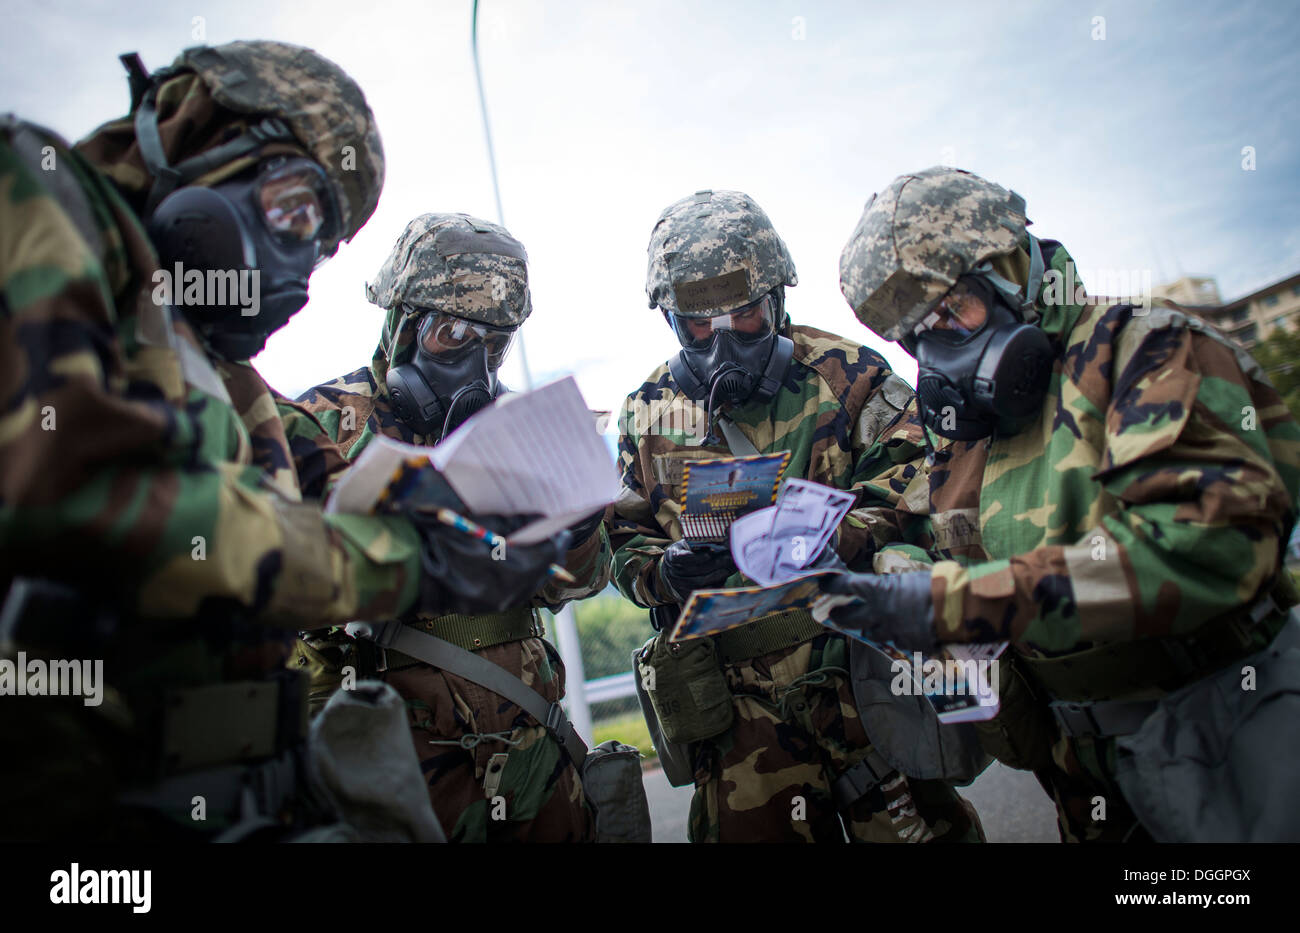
126, 462
846, 419
1156, 490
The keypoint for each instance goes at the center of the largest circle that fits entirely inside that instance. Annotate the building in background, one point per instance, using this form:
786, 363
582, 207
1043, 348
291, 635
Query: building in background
1191, 291
1248, 319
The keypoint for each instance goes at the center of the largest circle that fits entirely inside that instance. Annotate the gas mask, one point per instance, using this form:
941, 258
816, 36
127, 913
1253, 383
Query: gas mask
238, 254
731, 358
971, 382
452, 376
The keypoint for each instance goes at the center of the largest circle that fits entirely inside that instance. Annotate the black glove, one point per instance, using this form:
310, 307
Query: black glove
585, 528
887, 607
685, 567
461, 573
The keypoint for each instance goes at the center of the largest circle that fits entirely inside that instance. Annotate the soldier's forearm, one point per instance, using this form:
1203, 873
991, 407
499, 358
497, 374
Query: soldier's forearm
589, 564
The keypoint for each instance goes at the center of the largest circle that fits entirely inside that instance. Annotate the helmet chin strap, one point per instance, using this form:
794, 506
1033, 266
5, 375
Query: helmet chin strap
166, 177
1023, 300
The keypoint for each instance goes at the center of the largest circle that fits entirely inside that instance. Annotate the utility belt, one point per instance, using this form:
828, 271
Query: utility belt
1079, 686
467, 632
240, 747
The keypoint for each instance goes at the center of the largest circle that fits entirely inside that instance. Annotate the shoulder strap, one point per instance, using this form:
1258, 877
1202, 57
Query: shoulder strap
433, 650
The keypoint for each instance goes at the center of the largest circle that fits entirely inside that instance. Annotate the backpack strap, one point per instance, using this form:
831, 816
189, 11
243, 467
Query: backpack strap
443, 654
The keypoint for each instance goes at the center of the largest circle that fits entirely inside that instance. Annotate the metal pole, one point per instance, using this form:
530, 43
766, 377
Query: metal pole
575, 678
492, 166
566, 626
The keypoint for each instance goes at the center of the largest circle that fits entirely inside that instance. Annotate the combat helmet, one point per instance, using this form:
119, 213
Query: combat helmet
301, 98
714, 252
456, 290
919, 235
452, 264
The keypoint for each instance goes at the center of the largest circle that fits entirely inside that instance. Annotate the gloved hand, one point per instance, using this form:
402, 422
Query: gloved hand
880, 607
686, 567
584, 529
461, 573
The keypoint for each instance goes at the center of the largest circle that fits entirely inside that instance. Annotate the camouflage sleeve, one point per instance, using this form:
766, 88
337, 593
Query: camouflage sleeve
635, 535
889, 477
590, 567
1201, 461
117, 476
317, 459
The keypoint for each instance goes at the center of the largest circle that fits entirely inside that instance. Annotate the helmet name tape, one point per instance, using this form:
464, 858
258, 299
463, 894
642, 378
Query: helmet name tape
456, 240
718, 292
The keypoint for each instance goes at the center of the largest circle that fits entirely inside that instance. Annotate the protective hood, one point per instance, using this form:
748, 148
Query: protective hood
190, 122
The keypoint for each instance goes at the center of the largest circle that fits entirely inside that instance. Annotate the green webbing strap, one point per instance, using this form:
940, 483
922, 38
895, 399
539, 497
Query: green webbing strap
768, 634
167, 178
1167, 662
449, 657
476, 632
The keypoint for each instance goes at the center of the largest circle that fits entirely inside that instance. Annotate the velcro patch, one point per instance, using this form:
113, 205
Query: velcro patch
707, 294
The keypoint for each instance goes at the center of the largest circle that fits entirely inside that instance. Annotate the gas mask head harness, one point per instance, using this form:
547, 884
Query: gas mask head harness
452, 375
732, 357
980, 367
240, 253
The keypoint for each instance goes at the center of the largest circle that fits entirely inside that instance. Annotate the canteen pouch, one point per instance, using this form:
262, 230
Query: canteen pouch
1212, 763
1021, 735
687, 689
611, 781
675, 757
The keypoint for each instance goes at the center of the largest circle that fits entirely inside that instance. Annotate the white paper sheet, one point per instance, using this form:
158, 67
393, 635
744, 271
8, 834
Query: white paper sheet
776, 544
532, 452
361, 486
807, 514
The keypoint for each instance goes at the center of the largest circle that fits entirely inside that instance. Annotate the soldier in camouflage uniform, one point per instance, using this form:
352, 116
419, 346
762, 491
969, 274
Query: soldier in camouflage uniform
136, 526
1110, 485
718, 268
455, 290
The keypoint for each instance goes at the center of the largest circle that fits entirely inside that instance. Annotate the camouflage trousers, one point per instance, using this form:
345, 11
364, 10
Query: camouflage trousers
1089, 804
796, 728
470, 741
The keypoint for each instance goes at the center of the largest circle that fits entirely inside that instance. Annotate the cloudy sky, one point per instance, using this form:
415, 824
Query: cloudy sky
1122, 124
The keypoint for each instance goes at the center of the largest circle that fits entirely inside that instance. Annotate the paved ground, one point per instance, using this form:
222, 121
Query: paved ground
1011, 805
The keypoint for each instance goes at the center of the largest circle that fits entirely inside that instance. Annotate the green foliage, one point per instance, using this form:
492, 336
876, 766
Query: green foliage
610, 629
1280, 357
630, 729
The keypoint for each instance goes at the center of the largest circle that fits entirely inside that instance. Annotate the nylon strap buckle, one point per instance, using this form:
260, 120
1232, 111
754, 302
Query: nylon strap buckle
1076, 719
859, 780
556, 721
